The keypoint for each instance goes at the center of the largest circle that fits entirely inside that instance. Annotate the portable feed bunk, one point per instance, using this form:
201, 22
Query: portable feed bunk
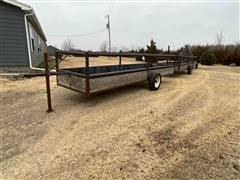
90, 80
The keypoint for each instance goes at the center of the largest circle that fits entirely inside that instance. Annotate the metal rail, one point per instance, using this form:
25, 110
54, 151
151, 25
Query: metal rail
115, 54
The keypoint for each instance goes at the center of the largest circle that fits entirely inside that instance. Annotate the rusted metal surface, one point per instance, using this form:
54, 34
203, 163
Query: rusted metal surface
47, 83
43, 74
65, 71
87, 86
120, 61
116, 54
57, 63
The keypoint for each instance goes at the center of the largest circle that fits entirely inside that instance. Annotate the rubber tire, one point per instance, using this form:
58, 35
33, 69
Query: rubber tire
189, 70
152, 80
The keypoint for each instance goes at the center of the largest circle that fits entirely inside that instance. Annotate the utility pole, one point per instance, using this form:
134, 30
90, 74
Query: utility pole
109, 35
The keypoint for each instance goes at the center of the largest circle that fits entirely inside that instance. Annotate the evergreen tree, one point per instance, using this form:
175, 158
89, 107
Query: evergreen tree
152, 49
208, 58
186, 51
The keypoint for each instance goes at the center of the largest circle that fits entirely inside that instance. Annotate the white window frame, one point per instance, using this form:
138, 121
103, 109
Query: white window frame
31, 38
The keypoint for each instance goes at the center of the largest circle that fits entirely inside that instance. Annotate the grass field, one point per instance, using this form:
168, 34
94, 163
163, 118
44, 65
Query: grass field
188, 129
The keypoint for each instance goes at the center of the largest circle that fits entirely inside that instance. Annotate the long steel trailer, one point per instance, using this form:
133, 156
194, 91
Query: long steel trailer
91, 80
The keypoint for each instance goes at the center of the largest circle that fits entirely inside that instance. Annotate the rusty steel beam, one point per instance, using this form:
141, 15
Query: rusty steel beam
113, 54
44, 74
127, 71
87, 75
49, 101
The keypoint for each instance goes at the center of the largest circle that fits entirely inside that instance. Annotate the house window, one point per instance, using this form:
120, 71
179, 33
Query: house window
39, 44
39, 40
32, 39
32, 42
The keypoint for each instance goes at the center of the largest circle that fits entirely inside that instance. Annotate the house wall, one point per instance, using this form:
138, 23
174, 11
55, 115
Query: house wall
51, 50
37, 46
13, 44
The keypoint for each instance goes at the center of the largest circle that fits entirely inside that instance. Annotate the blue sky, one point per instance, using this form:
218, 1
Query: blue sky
133, 24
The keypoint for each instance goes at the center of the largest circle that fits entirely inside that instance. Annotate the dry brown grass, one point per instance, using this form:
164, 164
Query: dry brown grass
188, 129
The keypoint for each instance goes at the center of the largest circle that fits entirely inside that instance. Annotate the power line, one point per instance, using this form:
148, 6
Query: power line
75, 35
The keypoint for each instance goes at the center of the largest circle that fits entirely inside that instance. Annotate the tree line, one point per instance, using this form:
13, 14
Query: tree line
206, 54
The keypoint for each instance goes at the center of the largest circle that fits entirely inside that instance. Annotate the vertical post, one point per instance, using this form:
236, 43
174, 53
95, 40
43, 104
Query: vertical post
179, 63
168, 52
87, 73
109, 35
120, 60
56, 62
148, 64
47, 83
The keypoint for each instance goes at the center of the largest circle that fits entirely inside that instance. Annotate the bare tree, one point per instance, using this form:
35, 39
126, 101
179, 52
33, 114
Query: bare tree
114, 49
67, 45
104, 46
219, 38
124, 49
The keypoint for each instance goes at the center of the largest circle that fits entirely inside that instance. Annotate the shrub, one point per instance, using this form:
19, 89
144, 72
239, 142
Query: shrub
198, 50
228, 55
208, 58
219, 53
236, 57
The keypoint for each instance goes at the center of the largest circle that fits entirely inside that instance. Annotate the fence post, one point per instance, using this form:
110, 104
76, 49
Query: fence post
87, 73
168, 52
120, 60
179, 62
47, 83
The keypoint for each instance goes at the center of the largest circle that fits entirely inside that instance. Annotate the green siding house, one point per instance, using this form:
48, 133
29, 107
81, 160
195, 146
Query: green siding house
22, 41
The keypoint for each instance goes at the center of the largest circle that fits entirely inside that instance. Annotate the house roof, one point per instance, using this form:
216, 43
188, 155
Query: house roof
50, 46
28, 10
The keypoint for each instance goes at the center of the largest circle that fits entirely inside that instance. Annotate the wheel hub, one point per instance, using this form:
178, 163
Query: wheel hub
157, 81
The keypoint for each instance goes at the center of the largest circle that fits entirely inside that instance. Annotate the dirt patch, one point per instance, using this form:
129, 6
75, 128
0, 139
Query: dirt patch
165, 142
188, 129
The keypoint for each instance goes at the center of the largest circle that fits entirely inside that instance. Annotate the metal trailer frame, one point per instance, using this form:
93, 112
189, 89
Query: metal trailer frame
86, 82
91, 80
